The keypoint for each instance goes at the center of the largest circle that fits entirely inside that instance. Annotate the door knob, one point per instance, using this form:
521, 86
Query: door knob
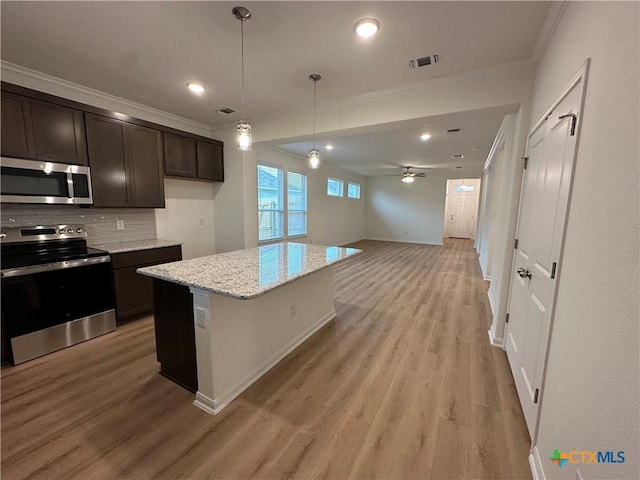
524, 272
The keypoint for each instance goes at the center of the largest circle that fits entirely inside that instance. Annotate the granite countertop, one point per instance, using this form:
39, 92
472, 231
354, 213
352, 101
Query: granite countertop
133, 245
249, 273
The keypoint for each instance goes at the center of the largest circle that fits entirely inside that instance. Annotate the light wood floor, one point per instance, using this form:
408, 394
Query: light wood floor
403, 384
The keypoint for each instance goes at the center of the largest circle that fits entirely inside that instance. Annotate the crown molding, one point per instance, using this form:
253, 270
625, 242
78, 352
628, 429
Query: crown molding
43, 82
549, 27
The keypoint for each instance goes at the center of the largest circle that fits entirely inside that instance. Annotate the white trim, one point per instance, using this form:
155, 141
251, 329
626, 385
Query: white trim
499, 139
535, 463
43, 82
492, 302
495, 341
396, 240
549, 27
225, 398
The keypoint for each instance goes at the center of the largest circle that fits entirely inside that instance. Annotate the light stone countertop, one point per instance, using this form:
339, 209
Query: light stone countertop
249, 273
134, 245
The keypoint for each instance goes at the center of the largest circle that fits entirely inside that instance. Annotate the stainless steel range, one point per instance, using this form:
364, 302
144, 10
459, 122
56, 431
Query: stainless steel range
56, 291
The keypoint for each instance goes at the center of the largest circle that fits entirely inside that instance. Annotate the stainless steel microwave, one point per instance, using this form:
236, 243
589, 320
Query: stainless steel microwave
34, 181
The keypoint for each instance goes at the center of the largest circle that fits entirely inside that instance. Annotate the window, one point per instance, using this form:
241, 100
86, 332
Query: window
270, 203
334, 187
296, 204
273, 195
353, 190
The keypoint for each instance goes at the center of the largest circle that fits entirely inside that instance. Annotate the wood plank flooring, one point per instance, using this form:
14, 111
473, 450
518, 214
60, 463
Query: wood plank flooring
403, 384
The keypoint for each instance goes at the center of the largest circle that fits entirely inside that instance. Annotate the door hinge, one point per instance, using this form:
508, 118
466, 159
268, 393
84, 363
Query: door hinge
507, 319
553, 270
574, 120
535, 396
515, 244
526, 161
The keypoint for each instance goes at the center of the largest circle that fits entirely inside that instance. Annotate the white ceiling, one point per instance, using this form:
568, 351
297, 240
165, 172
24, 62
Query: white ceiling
147, 51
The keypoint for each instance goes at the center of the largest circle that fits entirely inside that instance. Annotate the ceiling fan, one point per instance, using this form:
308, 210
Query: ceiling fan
408, 176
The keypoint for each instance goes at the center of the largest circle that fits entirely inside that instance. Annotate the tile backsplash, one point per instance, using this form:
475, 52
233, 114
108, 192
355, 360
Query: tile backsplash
100, 223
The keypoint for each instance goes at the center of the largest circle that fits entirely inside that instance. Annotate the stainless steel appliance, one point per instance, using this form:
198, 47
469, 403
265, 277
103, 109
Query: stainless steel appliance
56, 291
33, 181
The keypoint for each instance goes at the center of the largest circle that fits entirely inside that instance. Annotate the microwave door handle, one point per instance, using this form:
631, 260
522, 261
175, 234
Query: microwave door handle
70, 184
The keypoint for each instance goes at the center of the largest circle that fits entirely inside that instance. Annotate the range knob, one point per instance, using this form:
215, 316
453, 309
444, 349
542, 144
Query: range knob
61, 231
70, 230
79, 230
2, 234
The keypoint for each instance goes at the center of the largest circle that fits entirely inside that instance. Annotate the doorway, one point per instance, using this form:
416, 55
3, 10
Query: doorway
461, 207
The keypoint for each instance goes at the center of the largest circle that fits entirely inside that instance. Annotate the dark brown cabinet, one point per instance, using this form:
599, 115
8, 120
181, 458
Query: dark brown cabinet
59, 133
34, 129
126, 163
134, 292
17, 129
179, 156
191, 158
210, 161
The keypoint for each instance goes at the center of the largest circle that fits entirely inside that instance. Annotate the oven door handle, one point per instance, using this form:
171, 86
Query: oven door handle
49, 267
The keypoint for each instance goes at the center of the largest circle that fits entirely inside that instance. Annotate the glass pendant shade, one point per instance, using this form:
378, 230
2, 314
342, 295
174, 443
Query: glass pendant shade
407, 179
314, 159
244, 136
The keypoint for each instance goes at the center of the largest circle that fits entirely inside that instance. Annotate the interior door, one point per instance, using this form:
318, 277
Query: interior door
541, 224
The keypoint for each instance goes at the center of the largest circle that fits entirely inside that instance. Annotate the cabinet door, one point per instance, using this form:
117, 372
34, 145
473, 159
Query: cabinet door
17, 130
59, 133
107, 158
179, 156
134, 292
144, 147
210, 163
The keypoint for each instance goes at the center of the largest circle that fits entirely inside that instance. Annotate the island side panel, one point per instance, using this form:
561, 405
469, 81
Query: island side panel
174, 331
243, 339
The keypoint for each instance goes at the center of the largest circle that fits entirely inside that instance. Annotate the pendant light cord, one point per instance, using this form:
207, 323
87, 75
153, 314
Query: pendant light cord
314, 114
242, 61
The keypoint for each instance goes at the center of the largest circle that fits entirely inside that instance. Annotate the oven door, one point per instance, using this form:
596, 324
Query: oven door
49, 307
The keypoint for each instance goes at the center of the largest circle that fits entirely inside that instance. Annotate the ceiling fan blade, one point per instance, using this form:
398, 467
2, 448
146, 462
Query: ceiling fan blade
422, 175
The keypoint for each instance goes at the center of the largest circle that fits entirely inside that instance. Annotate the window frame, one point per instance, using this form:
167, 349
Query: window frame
285, 203
341, 195
359, 190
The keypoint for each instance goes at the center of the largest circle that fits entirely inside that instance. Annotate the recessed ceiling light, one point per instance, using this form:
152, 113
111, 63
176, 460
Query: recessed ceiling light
329, 147
367, 27
196, 88
425, 136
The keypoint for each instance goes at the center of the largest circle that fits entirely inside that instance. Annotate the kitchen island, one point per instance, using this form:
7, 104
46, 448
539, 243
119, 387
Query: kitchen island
249, 309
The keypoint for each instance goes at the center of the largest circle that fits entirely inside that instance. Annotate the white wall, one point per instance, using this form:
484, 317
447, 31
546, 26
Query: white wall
411, 213
331, 220
590, 398
188, 216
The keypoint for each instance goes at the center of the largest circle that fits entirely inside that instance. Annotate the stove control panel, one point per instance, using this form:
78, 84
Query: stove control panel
40, 233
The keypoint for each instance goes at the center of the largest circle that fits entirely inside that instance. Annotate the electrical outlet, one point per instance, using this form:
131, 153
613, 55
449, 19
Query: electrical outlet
201, 317
293, 311
120, 224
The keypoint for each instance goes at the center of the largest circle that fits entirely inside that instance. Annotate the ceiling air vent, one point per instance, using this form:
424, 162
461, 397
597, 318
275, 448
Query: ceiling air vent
454, 130
225, 111
425, 61
459, 167
457, 155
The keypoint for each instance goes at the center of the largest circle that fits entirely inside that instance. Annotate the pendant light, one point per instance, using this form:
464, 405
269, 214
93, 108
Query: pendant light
243, 132
314, 154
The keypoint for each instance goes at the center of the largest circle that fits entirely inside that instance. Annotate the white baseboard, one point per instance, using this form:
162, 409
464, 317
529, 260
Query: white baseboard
536, 464
216, 405
495, 341
492, 303
403, 240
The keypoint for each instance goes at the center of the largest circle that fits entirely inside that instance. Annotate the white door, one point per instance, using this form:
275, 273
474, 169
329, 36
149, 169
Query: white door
463, 205
543, 210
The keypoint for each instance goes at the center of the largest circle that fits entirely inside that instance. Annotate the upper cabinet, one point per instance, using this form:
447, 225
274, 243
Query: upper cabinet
38, 130
17, 130
126, 163
190, 158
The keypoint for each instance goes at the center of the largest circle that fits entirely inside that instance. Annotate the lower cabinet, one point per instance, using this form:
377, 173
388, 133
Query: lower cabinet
134, 292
